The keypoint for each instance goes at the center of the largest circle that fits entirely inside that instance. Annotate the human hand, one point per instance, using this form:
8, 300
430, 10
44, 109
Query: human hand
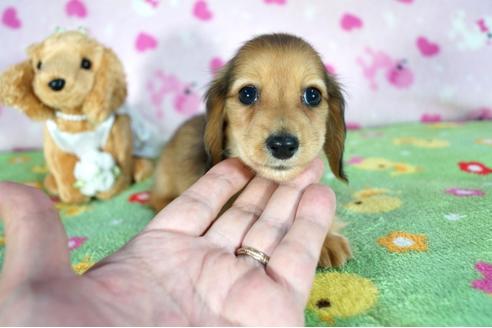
181, 269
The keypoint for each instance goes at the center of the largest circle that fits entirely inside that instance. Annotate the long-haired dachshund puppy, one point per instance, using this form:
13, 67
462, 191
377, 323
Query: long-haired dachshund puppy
273, 106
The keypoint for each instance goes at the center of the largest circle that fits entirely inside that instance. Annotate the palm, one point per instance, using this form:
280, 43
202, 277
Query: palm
213, 285
182, 269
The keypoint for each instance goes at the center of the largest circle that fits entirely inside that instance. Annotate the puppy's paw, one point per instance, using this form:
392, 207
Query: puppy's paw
336, 251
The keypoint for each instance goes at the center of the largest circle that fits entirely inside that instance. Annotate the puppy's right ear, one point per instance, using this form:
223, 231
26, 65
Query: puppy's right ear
215, 125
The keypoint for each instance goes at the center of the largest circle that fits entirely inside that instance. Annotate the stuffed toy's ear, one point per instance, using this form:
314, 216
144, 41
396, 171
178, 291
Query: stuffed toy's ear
16, 91
214, 129
335, 128
109, 90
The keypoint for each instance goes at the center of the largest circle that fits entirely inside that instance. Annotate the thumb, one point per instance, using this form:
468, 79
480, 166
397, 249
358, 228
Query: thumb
36, 243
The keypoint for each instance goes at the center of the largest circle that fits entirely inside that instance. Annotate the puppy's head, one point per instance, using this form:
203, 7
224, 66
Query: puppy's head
274, 106
68, 65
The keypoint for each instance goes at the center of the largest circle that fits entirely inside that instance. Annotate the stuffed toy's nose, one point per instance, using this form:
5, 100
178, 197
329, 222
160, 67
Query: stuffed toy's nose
56, 84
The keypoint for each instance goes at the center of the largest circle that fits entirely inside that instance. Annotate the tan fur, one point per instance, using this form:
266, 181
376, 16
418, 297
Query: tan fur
181, 163
96, 92
280, 66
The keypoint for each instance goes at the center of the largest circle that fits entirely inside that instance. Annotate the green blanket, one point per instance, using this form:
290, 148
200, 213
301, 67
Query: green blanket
419, 216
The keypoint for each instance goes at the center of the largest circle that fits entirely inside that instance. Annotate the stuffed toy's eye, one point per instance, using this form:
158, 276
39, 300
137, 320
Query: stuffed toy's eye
248, 95
86, 63
38, 66
311, 97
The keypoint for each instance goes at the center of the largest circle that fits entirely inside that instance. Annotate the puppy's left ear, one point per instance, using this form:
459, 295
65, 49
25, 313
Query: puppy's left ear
109, 89
335, 128
215, 103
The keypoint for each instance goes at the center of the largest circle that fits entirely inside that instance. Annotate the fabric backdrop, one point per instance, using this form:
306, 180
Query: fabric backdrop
399, 60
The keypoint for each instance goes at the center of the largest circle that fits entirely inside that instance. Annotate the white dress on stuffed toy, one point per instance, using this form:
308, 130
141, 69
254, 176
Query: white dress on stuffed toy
96, 171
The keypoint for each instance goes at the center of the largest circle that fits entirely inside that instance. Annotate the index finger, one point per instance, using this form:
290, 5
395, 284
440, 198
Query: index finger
194, 211
294, 260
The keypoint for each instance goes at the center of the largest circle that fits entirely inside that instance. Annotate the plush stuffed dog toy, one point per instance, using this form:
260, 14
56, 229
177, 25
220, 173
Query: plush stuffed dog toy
76, 85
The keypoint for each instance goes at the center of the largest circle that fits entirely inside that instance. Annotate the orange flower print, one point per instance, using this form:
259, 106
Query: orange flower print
399, 242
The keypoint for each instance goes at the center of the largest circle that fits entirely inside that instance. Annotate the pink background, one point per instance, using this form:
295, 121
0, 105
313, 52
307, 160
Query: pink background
433, 58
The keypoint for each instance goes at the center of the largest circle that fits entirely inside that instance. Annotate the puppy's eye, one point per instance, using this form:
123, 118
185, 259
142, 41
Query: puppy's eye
248, 95
86, 63
311, 97
38, 66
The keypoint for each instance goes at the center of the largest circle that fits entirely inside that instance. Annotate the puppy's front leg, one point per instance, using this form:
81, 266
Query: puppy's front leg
336, 251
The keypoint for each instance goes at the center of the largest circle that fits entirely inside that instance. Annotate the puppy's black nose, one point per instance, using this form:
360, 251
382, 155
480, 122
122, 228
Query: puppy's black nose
282, 146
56, 84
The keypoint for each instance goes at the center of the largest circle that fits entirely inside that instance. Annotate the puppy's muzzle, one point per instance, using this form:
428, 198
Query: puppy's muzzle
56, 84
282, 146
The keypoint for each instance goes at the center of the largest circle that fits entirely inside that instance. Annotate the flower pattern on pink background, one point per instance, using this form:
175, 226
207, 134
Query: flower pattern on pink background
153, 3
215, 64
145, 42
201, 11
11, 19
430, 118
397, 72
484, 284
426, 47
351, 22
480, 114
76, 8
330, 68
183, 97
465, 192
418, 53
275, 2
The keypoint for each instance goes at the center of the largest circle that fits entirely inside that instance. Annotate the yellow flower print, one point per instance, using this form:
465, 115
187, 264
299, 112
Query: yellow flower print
2, 241
401, 168
421, 142
374, 164
83, 265
373, 200
399, 242
484, 141
40, 169
443, 125
341, 295
381, 164
71, 209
